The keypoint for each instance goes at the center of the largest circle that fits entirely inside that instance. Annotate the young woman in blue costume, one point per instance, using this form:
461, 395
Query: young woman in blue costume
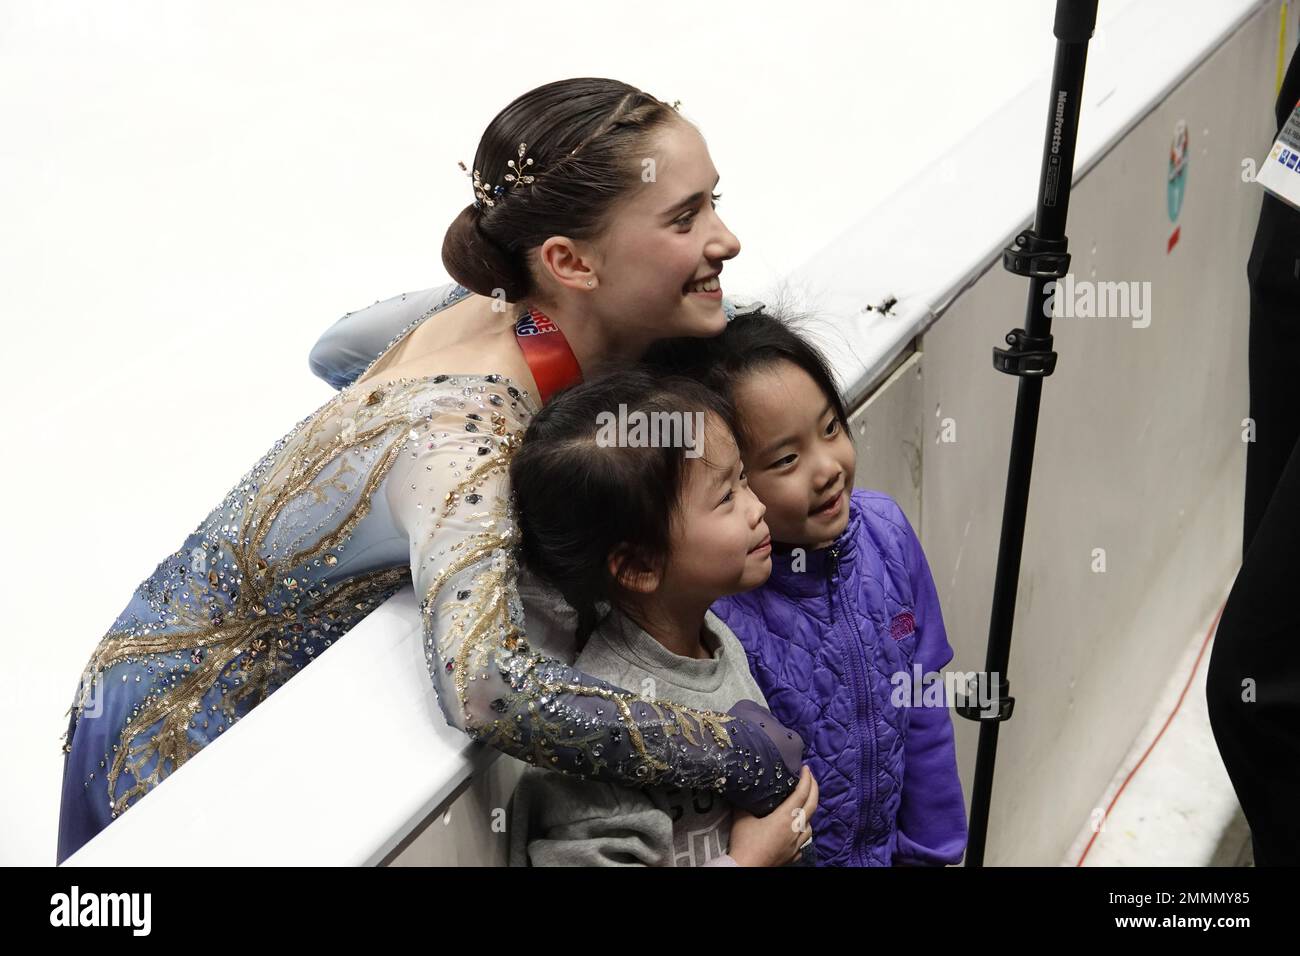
577, 260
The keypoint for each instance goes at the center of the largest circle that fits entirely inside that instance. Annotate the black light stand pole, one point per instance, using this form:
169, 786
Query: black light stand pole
1040, 254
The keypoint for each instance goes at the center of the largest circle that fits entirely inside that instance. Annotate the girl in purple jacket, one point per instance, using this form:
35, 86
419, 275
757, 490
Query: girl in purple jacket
846, 638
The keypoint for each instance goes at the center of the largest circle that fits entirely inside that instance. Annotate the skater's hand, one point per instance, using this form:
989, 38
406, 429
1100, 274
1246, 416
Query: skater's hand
774, 840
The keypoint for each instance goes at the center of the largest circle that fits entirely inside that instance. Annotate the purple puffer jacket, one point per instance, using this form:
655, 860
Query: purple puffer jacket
824, 636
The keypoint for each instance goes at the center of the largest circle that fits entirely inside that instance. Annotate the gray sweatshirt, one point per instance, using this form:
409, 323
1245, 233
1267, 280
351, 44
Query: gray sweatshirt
561, 820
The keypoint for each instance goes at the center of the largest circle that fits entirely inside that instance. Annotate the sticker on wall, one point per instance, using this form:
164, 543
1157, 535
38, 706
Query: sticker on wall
1177, 181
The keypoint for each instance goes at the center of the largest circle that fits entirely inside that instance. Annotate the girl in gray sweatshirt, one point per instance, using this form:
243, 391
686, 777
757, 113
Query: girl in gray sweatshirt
632, 501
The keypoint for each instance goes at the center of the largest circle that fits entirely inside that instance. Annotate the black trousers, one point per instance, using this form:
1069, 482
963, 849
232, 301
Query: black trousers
1253, 681
1274, 355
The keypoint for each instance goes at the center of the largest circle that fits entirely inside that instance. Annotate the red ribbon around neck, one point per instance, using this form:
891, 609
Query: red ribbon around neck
547, 352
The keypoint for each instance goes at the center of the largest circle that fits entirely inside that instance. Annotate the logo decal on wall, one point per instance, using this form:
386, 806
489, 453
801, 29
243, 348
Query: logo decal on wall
1177, 184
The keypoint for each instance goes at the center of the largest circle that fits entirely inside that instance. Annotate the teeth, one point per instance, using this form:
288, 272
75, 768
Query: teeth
708, 285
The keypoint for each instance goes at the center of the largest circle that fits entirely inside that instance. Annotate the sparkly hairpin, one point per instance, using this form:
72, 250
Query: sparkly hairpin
491, 195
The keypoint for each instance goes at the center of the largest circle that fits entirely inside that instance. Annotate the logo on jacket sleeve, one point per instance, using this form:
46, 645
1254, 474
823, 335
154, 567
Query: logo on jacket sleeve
902, 625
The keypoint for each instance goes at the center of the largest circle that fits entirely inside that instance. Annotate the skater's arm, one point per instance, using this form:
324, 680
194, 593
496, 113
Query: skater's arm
448, 491
347, 347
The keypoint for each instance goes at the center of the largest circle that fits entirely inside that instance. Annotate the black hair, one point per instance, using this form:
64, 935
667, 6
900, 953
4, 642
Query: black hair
587, 137
577, 499
750, 343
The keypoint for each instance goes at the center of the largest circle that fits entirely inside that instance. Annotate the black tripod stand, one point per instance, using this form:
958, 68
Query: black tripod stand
1038, 253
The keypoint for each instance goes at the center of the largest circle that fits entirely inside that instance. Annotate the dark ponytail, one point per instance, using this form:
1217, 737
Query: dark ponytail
586, 137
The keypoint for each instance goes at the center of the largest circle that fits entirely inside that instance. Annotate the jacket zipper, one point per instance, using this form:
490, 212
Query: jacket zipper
831, 567
861, 696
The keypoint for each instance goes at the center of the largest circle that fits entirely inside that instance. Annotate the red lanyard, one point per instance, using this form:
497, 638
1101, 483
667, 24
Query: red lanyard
547, 352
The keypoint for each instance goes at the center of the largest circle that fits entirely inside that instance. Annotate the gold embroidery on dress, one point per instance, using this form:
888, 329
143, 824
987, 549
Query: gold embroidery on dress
251, 637
247, 629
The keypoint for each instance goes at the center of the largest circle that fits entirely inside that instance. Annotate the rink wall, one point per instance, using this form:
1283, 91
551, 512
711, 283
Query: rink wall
1133, 533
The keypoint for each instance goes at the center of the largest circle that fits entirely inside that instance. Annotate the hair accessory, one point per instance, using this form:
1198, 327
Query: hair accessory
491, 195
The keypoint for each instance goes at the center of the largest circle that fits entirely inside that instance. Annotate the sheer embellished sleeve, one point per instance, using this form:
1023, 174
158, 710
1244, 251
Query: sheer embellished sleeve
448, 491
350, 345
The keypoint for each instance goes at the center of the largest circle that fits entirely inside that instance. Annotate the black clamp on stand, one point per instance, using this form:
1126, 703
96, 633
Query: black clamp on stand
971, 709
1032, 256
